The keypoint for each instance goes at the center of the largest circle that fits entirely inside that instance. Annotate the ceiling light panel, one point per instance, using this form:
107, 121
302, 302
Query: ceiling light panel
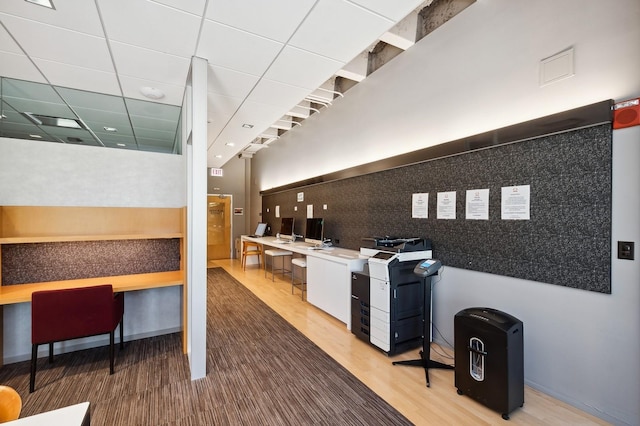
273, 19
44, 3
235, 49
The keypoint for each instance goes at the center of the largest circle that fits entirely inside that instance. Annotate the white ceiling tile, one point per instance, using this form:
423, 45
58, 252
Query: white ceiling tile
222, 105
339, 30
64, 75
131, 89
226, 82
278, 94
60, 45
146, 24
142, 63
301, 68
215, 125
274, 19
20, 67
66, 14
395, 10
192, 6
8, 44
235, 49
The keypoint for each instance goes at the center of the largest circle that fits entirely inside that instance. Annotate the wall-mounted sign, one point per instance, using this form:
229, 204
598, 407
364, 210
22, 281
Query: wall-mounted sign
300, 197
216, 172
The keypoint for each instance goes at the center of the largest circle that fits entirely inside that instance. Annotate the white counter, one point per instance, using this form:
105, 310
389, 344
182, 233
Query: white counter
73, 415
328, 274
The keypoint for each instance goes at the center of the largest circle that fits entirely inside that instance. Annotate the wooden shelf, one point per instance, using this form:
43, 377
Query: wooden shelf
20, 293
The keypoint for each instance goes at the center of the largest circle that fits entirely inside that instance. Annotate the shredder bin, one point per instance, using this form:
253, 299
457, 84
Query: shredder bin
489, 358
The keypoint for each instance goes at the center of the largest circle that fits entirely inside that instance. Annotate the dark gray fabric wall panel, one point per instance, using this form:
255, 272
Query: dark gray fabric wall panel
43, 262
566, 242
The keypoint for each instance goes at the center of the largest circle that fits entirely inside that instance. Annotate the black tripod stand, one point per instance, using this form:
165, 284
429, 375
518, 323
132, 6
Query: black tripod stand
425, 361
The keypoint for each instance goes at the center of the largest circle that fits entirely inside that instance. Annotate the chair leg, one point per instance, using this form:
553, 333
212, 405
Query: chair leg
121, 334
51, 353
111, 351
34, 361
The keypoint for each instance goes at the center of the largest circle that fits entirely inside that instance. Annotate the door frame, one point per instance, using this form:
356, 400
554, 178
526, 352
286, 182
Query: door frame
231, 239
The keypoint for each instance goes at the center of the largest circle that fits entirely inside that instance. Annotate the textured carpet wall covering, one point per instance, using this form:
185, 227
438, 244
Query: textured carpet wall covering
570, 179
260, 371
42, 262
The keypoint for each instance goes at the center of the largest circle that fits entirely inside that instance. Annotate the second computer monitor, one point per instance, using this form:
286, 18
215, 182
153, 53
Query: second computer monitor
286, 228
314, 231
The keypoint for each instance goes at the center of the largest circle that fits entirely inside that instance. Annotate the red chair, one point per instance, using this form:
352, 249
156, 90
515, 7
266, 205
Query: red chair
58, 315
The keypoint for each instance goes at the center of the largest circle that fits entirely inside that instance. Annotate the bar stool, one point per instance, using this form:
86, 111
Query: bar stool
271, 254
299, 263
249, 248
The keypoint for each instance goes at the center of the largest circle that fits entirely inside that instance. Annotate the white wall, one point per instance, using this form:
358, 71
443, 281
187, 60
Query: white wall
478, 72
51, 174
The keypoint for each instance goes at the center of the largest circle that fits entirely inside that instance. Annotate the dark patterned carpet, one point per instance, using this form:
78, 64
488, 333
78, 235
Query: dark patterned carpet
261, 371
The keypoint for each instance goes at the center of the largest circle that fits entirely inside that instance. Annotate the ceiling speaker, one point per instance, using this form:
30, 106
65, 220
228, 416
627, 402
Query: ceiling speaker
626, 113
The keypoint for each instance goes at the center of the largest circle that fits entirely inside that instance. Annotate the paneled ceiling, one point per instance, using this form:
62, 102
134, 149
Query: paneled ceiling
268, 60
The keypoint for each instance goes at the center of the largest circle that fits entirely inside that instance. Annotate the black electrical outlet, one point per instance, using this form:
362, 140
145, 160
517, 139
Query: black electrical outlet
625, 250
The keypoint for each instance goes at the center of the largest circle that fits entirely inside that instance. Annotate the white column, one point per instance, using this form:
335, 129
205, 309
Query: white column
195, 124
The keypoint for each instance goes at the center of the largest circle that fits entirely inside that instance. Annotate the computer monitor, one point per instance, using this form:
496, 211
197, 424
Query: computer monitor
260, 230
314, 231
286, 228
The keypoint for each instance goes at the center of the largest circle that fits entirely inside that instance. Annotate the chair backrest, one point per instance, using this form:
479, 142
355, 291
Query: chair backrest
58, 315
10, 404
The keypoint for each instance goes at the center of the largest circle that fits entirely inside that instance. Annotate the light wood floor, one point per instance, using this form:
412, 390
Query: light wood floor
403, 387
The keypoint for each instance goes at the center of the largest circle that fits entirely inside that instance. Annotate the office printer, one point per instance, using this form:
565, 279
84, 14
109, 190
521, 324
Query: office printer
373, 245
393, 300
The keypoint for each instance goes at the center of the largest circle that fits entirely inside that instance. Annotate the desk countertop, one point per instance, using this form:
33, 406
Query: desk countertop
20, 293
334, 254
73, 415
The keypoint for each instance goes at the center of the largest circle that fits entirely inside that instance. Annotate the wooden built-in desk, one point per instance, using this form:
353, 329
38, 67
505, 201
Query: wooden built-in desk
62, 224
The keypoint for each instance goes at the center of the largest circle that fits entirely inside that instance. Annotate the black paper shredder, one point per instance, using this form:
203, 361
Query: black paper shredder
489, 358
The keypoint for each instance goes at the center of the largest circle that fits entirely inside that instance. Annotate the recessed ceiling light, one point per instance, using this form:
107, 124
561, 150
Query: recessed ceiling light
230, 144
110, 129
45, 120
152, 92
45, 3
218, 156
36, 136
247, 126
121, 144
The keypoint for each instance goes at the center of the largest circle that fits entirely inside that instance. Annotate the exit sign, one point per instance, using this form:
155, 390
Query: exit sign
216, 172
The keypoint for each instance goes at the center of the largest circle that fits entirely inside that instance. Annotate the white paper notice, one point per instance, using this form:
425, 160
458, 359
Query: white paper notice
277, 211
420, 206
478, 204
446, 205
516, 202
310, 211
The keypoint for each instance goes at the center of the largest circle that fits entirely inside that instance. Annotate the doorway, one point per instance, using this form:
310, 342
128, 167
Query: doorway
218, 227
